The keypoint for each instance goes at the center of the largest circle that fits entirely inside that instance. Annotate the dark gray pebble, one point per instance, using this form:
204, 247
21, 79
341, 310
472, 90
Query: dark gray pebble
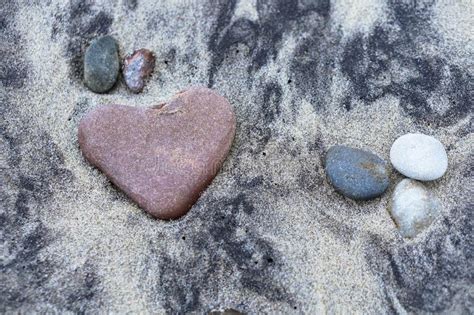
229, 311
356, 173
101, 64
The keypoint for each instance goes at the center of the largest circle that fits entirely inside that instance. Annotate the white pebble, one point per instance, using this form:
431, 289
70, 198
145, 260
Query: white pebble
413, 207
419, 156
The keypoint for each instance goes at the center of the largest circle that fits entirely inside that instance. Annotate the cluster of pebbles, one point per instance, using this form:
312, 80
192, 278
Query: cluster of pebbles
161, 156
190, 140
102, 66
362, 175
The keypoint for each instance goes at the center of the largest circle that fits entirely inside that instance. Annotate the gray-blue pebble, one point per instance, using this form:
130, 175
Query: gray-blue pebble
101, 64
356, 173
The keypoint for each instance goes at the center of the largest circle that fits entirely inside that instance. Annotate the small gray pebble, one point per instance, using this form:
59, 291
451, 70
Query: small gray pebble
101, 64
228, 311
356, 173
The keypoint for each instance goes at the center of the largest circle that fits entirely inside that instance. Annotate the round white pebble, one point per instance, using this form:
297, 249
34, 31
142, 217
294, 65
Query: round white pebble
419, 156
413, 207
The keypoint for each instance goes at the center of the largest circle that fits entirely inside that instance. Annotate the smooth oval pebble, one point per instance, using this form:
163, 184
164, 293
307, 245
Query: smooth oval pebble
228, 311
413, 207
419, 156
163, 156
101, 64
356, 173
137, 68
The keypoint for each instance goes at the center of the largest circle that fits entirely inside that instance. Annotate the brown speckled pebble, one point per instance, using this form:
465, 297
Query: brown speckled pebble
137, 68
163, 156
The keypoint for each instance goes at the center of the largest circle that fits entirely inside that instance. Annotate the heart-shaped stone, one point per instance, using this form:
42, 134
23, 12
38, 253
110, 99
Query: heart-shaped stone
163, 156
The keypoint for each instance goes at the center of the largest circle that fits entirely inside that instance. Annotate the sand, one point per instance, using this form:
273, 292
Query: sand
270, 235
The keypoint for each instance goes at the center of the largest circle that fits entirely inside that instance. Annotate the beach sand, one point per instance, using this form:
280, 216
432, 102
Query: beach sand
270, 235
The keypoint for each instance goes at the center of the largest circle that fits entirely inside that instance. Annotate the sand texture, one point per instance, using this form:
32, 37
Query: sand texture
270, 235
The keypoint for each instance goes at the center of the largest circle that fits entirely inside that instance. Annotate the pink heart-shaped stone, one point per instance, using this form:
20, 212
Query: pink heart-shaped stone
163, 156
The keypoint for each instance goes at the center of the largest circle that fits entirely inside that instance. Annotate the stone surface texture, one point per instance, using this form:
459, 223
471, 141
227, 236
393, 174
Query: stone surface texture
419, 156
162, 157
137, 68
225, 312
413, 207
269, 235
356, 173
101, 64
